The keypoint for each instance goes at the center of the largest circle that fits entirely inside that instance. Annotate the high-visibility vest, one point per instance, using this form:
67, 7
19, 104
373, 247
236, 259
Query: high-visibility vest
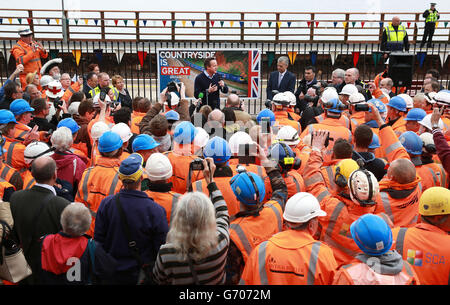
97, 90
14, 155
395, 36
3, 186
432, 17
290, 258
168, 200
359, 273
75, 87
343, 120
294, 182
427, 249
11, 175
281, 117
180, 165
28, 180
30, 59
432, 174
248, 232
21, 130
136, 118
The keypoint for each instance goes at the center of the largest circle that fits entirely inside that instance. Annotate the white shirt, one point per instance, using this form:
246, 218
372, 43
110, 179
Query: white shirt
207, 75
48, 187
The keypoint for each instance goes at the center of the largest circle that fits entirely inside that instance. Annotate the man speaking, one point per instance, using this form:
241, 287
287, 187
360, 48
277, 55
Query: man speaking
208, 84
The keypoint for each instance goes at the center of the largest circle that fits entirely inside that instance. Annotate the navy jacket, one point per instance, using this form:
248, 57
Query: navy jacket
287, 83
201, 84
148, 226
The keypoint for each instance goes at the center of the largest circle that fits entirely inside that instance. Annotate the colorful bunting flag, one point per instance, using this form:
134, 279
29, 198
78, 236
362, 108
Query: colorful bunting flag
376, 57
313, 55
333, 55
446, 23
344, 24
437, 23
241, 23
212, 23
164, 22
76, 21
116, 21
144, 22
174, 22
231, 23
292, 55
335, 23
279, 24
96, 21
353, 23
99, 54
443, 57
269, 23
1, 20
29, 21
363, 23
381, 25
317, 24
408, 24
289, 23
183, 22
355, 58
54, 53
270, 57
421, 56
20, 20
119, 55
142, 55
221, 23
125, 22
10, 20
193, 23
77, 55
135, 21
260, 22
308, 23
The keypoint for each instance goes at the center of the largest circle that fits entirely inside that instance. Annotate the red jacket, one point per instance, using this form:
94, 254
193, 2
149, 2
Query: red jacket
442, 148
70, 167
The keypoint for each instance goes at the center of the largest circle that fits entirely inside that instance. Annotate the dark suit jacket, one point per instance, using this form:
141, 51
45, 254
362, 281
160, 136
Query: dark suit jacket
25, 206
287, 83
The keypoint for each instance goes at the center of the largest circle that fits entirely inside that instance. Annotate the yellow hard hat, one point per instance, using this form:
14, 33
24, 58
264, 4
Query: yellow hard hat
435, 201
343, 170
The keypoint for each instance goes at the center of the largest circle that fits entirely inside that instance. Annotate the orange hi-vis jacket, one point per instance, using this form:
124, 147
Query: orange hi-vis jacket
180, 164
379, 77
359, 273
168, 200
293, 115
97, 183
28, 180
427, 249
14, 155
399, 126
282, 118
336, 132
432, 174
294, 182
328, 173
290, 257
357, 118
378, 94
249, 231
342, 121
21, 130
11, 175
302, 152
29, 57
75, 87
136, 118
3, 186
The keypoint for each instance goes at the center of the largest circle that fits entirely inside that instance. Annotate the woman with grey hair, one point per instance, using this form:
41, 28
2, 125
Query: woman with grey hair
197, 243
70, 257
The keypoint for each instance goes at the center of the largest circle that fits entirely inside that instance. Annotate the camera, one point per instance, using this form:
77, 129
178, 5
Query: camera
265, 125
329, 105
247, 153
172, 87
57, 102
197, 165
362, 107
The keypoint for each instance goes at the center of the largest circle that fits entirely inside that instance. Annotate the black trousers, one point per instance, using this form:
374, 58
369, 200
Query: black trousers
428, 32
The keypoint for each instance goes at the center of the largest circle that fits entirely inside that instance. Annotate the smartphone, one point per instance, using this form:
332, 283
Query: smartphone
247, 153
102, 95
265, 125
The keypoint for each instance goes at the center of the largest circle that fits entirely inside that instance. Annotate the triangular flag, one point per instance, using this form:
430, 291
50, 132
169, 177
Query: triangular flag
355, 58
344, 24
408, 24
54, 53
77, 55
221, 23
145, 22
269, 23
193, 23
376, 57
86, 21
231, 23
335, 23
363, 23
58, 21
10, 20
446, 23
353, 23
135, 21
20, 20
119, 55
116, 21
289, 23
99, 54
1, 20
309, 23
76, 21
164, 22
142, 55
437, 23
421, 56
270, 57
313, 55
333, 56
8, 55
96, 21
183, 22
125, 21
260, 22
317, 24
174, 22
241, 23
29, 21
212, 22
444, 58
292, 56
279, 24
381, 24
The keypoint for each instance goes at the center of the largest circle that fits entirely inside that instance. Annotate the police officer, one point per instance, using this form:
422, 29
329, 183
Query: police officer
431, 16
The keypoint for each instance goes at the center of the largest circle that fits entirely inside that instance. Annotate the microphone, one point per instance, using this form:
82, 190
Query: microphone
200, 95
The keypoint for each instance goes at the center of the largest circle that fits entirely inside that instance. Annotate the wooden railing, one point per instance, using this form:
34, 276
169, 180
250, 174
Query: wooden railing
90, 25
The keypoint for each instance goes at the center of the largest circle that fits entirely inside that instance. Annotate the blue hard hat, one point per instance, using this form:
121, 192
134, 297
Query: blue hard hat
415, 114
378, 104
279, 151
144, 142
7, 116
398, 103
184, 133
335, 107
172, 115
69, 123
218, 149
20, 106
266, 113
375, 142
248, 188
372, 234
109, 142
411, 142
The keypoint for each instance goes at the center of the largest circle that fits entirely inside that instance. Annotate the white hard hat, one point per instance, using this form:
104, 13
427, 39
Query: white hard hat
426, 122
98, 129
289, 135
24, 31
357, 98
123, 130
280, 97
201, 138
291, 98
73, 108
363, 186
54, 89
443, 97
158, 167
175, 99
349, 89
238, 138
429, 97
97, 97
427, 138
302, 207
45, 80
328, 94
408, 99
35, 150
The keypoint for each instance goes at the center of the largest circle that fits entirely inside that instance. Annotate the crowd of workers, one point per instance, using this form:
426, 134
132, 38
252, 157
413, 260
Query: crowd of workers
331, 184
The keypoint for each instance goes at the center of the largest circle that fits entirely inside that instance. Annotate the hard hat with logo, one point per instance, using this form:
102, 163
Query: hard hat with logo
349, 89
218, 149
54, 89
237, 139
364, 187
415, 114
429, 97
144, 142
291, 98
35, 150
328, 94
435, 201
398, 103
201, 137
45, 80
6, 117
69, 123
372, 234
158, 167
109, 141
98, 128
184, 133
426, 122
443, 97
289, 135
302, 207
248, 188
375, 142
408, 100
356, 98
343, 170
172, 115
411, 142
123, 130
20, 106
378, 104
266, 113
131, 168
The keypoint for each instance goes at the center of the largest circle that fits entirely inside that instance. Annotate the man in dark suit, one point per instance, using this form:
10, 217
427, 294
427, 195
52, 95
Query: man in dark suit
36, 212
281, 80
210, 84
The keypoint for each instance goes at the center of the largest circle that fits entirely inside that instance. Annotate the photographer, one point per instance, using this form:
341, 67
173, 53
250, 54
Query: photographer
209, 84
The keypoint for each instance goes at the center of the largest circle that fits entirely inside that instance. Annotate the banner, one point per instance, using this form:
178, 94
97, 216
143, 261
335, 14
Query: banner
355, 58
313, 57
292, 56
239, 68
142, 55
77, 55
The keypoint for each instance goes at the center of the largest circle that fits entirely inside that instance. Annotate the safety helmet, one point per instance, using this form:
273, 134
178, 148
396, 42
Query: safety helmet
328, 94
184, 133
415, 114
73, 108
98, 128
375, 142
35, 150
109, 141
372, 234
97, 97
398, 103
174, 99
6, 117
158, 167
435, 201
426, 122
428, 142
356, 98
408, 100
45, 80
302, 207
266, 113
69, 123
442, 97
201, 138
364, 187
54, 89
144, 142
291, 98
20, 106
172, 115
24, 31
289, 135
411, 142
335, 106
280, 99
218, 149
282, 154
343, 170
429, 97
378, 104
123, 130
349, 89
237, 139
248, 187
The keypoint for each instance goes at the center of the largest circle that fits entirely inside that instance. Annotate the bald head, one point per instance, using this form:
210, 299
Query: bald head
395, 21
43, 170
233, 100
216, 115
402, 170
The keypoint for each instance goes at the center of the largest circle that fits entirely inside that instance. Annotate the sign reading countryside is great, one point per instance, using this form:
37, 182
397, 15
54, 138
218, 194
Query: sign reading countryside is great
239, 68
